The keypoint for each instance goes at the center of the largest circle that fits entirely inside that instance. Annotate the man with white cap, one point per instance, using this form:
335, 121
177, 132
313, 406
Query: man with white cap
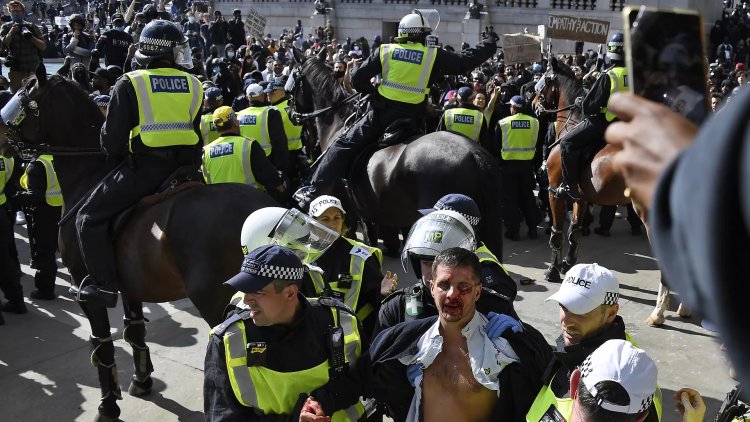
617, 382
263, 123
280, 356
588, 317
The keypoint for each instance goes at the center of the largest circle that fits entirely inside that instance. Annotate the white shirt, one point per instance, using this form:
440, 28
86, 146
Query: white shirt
487, 357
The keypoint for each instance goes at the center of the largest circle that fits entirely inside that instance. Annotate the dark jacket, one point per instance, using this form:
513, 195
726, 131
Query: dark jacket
386, 381
113, 46
598, 95
219, 32
236, 32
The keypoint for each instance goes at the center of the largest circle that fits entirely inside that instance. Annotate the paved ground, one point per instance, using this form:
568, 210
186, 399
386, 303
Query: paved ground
45, 372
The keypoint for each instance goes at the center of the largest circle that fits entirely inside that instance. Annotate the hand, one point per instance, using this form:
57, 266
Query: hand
579, 102
651, 136
389, 284
500, 323
539, 109
690, 404
312, 411
412, 372
16, 28
132, 49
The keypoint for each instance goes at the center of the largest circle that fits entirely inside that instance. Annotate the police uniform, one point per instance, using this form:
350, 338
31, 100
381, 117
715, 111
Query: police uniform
255, 373
152, 129
351, 272
591, 130
408, 70
518, 137
465, 120
10, 279
42, 200
294, 142
264, 124
208, 129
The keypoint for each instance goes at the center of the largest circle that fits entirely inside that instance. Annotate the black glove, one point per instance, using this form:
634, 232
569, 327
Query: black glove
579, 102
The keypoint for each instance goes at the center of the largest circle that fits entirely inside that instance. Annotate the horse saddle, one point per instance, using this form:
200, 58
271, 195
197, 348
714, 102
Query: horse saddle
183, 178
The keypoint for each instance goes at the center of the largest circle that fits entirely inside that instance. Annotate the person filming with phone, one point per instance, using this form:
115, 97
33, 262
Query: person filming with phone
23, 41
594, 107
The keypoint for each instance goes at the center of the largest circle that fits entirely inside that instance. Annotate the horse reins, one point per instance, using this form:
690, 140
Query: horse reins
301, 117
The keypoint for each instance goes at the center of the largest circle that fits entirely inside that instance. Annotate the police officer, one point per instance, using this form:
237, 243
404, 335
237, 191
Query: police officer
10, 278
114, 44
588, 300
235, 159
152, 129
408, 69
264, 124
465, 119
280, 355
518, 138
431, 235
213, 100
42, 200
594, 106
277, 98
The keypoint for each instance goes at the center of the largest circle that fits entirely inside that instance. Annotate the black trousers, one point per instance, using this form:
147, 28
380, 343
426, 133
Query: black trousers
43, 230
367, 130
519, 202
122, 188
575, 143
10, 279
607, 216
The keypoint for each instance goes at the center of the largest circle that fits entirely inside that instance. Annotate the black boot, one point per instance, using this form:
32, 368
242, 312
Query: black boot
42, 295
97, 293
2, 320
16, 307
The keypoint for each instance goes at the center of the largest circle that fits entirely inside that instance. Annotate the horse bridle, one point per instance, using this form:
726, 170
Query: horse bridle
15, 112
298, 85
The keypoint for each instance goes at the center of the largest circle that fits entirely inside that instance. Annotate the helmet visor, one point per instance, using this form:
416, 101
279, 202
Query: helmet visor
182, 55
299, 232
13, 112
431, 17
435, 233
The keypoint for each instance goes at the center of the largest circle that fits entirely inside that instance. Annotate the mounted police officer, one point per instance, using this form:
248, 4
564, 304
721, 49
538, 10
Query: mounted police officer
151, 130
594, 105
279, 355
465, 119
408, 69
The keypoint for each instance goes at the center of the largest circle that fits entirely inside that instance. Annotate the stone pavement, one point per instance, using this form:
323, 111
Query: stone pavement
45, 373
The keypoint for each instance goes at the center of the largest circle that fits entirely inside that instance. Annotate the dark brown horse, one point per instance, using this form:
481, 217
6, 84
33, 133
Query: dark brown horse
600, 184
186, 245
400, 179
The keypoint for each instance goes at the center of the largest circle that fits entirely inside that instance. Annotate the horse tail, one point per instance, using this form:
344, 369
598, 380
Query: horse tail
489, 201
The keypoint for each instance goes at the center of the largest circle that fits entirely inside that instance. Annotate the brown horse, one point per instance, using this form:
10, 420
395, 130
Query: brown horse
185, 245
600, 184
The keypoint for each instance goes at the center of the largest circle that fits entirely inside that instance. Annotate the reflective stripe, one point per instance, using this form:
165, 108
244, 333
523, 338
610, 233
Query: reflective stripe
6, 170
484, 255
470, 131
292, 131
247, 169
517, 145
426, 70
257, 130
229, 160
618, 82
399, 78
141, 86
235, 349
402, 87
53, 195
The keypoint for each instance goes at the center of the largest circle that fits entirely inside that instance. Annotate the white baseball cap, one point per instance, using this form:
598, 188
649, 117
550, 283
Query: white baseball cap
585, 287
630, 367
320, 204
254, 90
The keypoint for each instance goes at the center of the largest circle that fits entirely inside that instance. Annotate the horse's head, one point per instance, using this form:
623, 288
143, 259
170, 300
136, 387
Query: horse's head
302, 92
548, 88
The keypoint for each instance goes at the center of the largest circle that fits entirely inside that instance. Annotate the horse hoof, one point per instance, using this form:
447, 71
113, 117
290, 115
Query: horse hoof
552, 275
109, 411
654, 320
565, 267
140, 388
684, 312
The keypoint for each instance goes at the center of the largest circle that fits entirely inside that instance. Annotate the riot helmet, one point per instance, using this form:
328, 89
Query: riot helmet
163, 39
616, 47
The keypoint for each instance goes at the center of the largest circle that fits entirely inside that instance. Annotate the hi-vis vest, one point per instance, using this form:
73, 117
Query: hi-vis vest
273, 392
254, 125
466, 121
293, 133
228, 160
208, 129
359, 254
406, 70
6, 170
618, 82
519, 133
52, 194
547, 405
169, 100
484, 255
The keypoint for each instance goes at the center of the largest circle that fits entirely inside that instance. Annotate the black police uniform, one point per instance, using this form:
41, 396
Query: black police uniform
588, 133
296, 347
113, 45
139, 173
10, 275
381, 111
42, 220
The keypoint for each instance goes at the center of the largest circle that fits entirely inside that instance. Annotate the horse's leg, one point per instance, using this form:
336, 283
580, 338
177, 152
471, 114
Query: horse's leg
575, 232
557, 208
135, 334
103, 358
662, 304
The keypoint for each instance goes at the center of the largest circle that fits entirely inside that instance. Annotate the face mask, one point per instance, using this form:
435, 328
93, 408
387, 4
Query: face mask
216, 69
17, 19
338, 74
191, 19
120, 28
230, 54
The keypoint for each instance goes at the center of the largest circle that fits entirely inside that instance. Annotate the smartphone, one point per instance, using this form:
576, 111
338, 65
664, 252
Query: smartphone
665, 55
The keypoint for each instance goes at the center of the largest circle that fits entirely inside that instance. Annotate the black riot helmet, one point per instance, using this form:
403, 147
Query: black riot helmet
163, 39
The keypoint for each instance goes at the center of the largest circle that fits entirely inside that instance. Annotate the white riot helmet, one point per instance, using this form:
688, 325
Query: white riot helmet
289, 228
434, 233
417, 24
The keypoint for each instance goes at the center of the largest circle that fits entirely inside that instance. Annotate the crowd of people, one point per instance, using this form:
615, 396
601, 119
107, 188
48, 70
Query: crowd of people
448, 348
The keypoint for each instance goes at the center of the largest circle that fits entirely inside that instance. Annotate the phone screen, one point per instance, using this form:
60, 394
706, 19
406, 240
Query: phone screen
666, 59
